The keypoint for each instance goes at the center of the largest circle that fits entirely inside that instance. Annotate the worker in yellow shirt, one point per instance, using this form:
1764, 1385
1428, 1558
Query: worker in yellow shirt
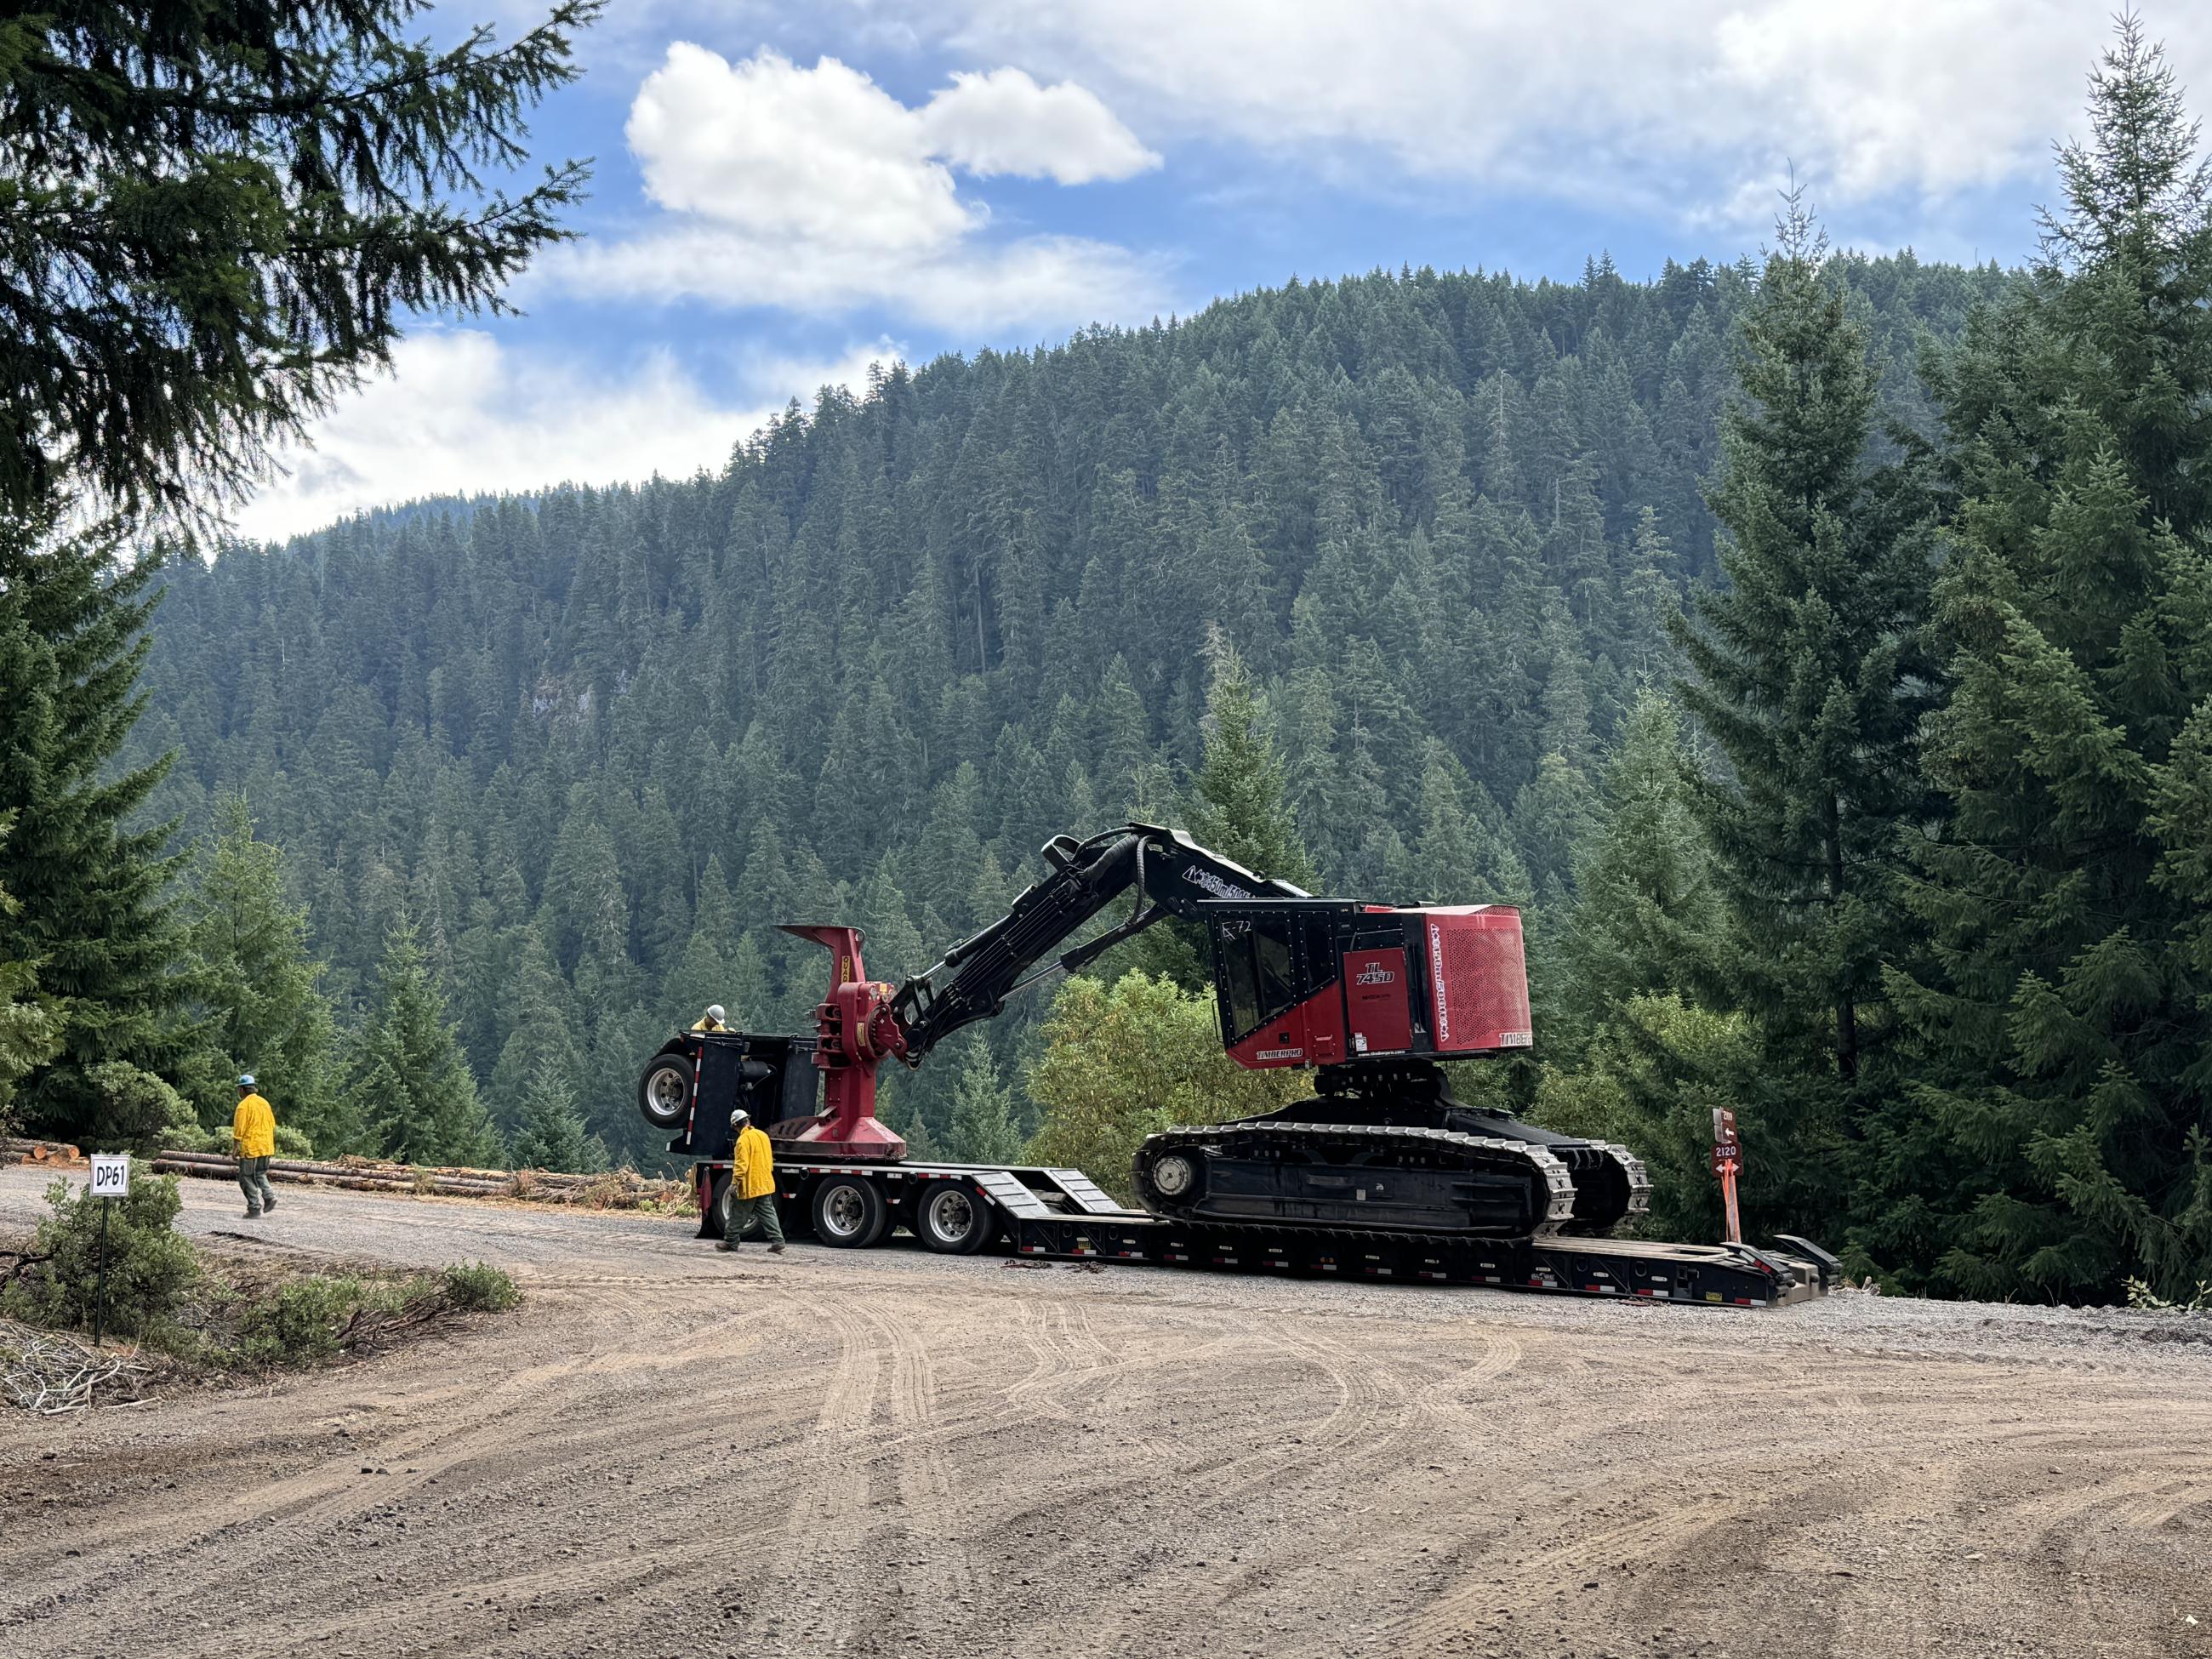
254, 1143
713, 1021
752, 1187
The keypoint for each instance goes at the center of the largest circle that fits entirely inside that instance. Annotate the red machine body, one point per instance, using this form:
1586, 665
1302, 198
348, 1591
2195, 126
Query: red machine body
1299, 981
1319, 982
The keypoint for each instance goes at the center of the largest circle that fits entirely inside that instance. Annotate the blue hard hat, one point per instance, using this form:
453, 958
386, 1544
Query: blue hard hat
246, 1079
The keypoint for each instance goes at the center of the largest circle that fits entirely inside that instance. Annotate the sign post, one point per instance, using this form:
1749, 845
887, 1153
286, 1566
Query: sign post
1728, 1159
110, 1179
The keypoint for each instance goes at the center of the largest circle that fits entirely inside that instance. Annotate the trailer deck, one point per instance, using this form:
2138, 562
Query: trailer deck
1049, 1213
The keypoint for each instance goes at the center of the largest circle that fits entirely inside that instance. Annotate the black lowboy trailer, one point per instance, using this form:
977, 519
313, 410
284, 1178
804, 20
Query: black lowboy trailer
960, 1209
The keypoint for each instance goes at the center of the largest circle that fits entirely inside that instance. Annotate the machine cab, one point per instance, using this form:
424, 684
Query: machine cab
1277, 975
1321, 982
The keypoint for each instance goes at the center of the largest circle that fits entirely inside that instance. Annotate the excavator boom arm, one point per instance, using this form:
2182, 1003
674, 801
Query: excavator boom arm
1169, 874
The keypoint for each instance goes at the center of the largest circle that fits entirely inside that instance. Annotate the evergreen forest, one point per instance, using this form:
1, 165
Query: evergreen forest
1818, 647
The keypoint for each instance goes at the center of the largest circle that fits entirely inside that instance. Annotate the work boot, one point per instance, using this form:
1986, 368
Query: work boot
253, 1215
729, 1245
775, 1249
268, 1205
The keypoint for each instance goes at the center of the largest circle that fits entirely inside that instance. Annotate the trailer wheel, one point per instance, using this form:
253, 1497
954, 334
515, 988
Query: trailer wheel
714, 1219
953, 1219
849, 1213
664, 1092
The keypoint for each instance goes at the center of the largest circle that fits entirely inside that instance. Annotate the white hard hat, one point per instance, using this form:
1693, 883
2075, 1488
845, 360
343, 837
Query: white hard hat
713, 1011
739, 1118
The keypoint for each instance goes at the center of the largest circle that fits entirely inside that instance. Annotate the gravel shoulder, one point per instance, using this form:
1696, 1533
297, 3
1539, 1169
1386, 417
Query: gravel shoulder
672, 1451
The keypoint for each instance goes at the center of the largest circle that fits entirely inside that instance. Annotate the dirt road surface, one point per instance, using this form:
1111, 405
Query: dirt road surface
670, 1452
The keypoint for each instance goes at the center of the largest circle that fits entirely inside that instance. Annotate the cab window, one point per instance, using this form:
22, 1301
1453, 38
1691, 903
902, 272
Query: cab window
1258, 981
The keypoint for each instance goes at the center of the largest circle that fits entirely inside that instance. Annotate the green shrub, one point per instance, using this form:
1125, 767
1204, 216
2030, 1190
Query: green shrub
2143, 1299
290, 1142
478, 1286
1122, 1061
138, 1110
149, 1265
305, 1319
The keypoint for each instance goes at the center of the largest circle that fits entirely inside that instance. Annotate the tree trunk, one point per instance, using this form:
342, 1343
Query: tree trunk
1847, 1016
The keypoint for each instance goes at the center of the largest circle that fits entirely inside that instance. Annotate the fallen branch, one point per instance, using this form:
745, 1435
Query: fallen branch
50, 1372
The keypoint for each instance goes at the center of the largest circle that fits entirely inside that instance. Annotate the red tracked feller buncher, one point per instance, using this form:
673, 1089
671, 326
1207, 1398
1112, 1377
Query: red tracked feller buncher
1381, 1164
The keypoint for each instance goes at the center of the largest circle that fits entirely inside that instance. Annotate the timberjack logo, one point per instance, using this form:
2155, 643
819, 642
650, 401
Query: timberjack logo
1436, 973
1213, 883
1374, 974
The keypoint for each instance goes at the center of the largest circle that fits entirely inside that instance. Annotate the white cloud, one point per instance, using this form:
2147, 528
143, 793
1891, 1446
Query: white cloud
1004, 122
813, 189
460, 414
821, 155
1040, 281
1668, 106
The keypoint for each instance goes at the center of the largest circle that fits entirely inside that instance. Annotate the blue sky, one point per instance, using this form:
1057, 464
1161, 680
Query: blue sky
786, 192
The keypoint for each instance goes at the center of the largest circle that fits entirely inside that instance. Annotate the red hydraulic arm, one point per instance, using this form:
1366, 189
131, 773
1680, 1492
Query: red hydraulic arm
854, 1033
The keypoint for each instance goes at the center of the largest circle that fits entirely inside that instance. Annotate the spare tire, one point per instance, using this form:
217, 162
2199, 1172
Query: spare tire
664, 1092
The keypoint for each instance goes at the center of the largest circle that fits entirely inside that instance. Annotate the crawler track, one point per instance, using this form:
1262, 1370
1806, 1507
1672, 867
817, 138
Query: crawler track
1281, 1172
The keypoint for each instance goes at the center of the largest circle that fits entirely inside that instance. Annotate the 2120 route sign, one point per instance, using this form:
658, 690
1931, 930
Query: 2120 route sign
111, 1175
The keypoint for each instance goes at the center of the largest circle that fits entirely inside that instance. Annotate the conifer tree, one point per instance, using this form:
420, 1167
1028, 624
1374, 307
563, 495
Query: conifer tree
29, 1031
1555, 816
1648, 915
1804, 668
407, 1080
226, 212
1238, 806
88, 881
550, 1133
2055, 1142
982, 1130
542, 1030
255, 988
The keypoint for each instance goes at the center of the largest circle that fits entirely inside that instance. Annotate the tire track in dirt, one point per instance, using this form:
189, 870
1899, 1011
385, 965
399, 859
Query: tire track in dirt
825, 1535
938, 1457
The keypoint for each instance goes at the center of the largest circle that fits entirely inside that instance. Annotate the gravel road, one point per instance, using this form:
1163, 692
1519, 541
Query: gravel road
671, 1452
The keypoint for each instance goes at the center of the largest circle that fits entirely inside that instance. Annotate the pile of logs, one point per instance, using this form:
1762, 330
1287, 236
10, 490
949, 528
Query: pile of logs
617, 1189
13, 1150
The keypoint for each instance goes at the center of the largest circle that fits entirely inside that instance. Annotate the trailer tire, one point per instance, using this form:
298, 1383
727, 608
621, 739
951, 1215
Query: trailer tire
849, 1212
714, 1219
953, 1218
664, 1092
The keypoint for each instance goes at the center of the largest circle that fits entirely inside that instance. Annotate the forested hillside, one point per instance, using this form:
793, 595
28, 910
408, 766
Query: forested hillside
592, 744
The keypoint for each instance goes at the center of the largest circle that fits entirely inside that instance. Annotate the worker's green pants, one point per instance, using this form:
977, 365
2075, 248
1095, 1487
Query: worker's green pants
254, 1182
744, 1212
